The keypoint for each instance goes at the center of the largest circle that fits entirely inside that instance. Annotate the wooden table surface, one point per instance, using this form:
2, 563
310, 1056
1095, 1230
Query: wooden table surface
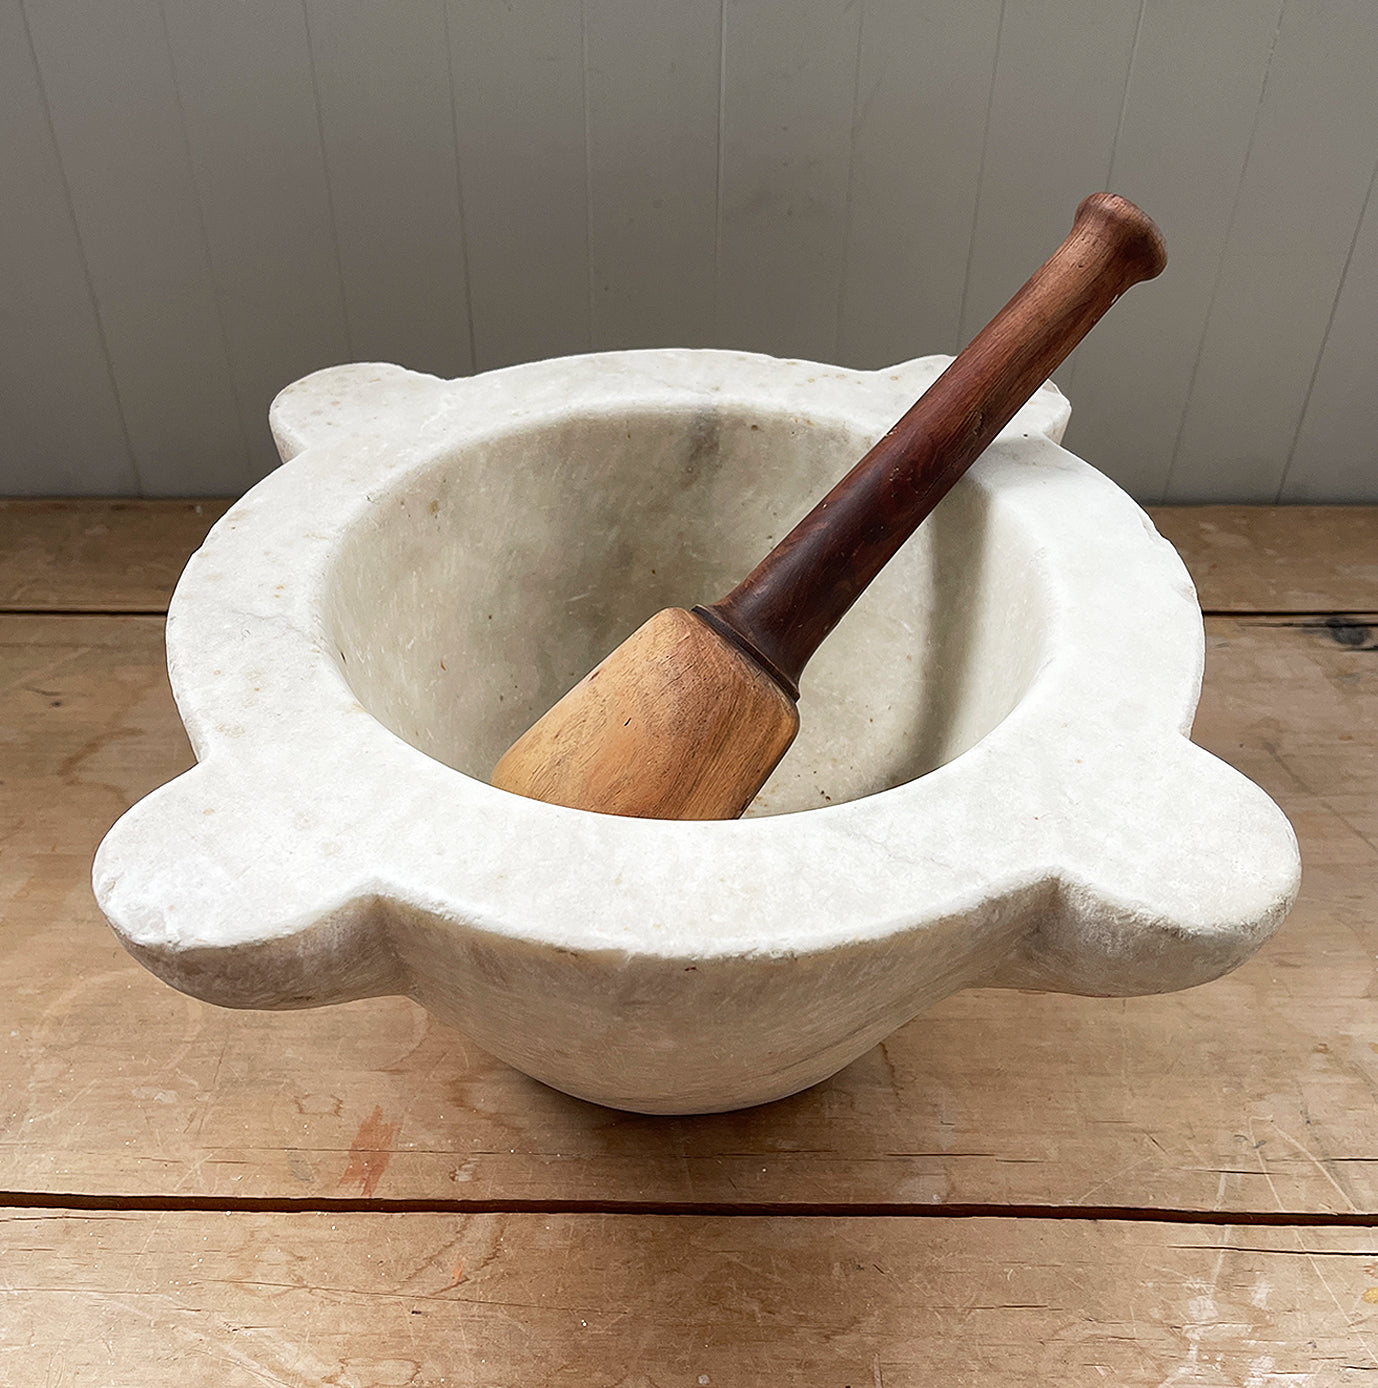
1014, 1188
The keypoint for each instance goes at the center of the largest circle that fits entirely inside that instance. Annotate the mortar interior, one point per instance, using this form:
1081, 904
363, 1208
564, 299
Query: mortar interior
466, 598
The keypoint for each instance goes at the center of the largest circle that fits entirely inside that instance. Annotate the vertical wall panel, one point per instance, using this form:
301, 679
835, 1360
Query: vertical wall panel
652, 92
244, 75
209, 198
518, 74
108, 75
383, 84
1300, 200
1336, 454
1188, 117
925, 89
789, 75
1059, 89
62, 430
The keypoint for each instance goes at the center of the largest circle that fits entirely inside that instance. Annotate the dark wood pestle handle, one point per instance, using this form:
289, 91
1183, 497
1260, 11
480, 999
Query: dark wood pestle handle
781, 612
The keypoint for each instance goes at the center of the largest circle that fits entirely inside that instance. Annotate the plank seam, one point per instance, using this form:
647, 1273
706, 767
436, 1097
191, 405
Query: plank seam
83, 611
1308, 621
157, 1204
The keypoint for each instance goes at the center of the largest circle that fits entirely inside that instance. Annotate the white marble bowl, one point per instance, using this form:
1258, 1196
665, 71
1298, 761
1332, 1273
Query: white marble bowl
993, 785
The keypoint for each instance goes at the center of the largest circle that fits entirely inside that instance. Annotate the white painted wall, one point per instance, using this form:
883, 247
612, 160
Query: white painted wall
205, 199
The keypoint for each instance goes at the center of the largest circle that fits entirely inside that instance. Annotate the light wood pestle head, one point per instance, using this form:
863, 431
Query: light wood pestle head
677, 723
688, 717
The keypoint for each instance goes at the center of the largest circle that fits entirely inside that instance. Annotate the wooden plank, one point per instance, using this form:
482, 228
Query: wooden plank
1253, 1093
108, 76
387, 123
924, 85
97, 556
260, 176
1196, 68
62, 426
788, 105
1277, 559
651, 79
143, 1299
1336, 453
517, 72
1303, 190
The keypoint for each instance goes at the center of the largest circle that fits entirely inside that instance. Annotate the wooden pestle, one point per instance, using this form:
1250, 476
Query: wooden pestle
688, 717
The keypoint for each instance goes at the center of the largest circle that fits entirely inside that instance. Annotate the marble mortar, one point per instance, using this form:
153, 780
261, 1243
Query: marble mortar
993, 786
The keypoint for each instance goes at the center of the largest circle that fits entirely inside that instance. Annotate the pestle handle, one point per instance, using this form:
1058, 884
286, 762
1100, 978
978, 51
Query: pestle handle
781, 612
687, 718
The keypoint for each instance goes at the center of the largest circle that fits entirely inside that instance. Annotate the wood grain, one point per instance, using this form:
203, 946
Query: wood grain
1254, 1093
676, 723
1277, 558
368, 1300
97, 556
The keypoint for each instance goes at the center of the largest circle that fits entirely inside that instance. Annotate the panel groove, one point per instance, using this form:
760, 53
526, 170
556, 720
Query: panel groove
330, 182
465, 271
87, 280
1329, 325
1059, 90
518, 81
1302, 191
1170, 475
112, 92
1132, 377
1068, 373
217, 291
1124, 102
718, 175
787, 133
980, 178
848, 195
589, 284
